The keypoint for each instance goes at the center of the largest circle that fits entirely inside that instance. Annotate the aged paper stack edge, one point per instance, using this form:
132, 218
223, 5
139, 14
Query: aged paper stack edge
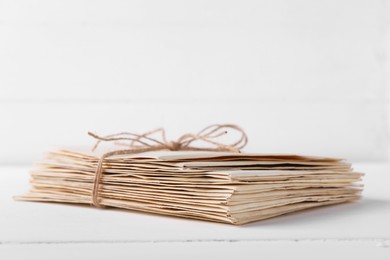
234, 188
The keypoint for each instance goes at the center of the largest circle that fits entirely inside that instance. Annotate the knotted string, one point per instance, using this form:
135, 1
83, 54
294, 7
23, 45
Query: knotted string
146, 143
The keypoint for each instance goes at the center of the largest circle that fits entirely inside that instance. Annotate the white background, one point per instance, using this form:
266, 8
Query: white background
299, 76
302, 76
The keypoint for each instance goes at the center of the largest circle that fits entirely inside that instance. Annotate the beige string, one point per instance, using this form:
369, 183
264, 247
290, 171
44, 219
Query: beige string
145, 143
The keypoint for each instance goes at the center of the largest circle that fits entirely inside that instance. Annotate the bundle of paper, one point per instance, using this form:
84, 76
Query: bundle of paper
233, 188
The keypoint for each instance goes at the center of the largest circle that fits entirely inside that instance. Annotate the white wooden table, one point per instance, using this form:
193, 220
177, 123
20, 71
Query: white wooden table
42, 231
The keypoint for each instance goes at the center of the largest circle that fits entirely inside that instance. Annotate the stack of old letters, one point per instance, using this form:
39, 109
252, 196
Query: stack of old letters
229, 187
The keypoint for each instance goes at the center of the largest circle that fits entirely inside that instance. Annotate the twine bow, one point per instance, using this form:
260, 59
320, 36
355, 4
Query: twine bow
145, 143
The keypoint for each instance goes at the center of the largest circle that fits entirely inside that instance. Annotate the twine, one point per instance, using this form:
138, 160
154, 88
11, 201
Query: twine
145, 143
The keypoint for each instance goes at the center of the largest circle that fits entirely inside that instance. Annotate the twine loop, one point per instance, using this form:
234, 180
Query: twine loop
136, 143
